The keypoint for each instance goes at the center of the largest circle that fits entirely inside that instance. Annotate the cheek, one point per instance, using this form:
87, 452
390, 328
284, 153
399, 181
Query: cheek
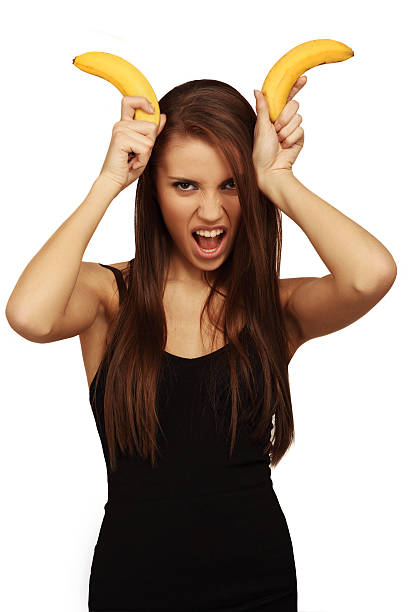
237, 206
175, 217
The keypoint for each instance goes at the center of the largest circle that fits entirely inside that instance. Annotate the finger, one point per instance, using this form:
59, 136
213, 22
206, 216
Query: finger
297, 86
147, 128
287, 113
147, 132
286, 130
139, 147
136, 137
293, 138
131, 103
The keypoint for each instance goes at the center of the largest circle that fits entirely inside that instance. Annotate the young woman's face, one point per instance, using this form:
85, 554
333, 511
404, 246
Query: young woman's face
195, 188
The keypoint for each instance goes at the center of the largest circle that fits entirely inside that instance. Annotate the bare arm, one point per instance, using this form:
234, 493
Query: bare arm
41, 296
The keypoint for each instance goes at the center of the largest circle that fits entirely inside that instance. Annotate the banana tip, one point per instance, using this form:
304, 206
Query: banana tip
73, 61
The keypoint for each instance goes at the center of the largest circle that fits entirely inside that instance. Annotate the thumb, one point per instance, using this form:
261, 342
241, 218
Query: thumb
262, 108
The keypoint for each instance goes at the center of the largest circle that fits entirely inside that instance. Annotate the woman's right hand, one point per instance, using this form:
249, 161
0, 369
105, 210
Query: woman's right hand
130, 136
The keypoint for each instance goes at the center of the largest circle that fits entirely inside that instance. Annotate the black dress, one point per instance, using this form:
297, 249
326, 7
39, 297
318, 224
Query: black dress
200, 531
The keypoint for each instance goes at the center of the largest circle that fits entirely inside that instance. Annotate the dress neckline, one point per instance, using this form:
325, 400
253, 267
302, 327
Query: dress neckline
201, 357
178, 358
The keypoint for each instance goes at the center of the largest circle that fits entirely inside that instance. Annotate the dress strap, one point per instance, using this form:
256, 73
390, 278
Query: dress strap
119, 281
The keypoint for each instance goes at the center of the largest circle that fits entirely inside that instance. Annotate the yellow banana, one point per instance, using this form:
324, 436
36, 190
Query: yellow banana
284, 74
126, 77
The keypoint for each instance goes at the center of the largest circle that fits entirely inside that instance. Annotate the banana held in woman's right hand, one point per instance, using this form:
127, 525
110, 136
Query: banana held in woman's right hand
131, 144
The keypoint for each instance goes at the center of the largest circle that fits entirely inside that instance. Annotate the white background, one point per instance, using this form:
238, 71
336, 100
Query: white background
342, 485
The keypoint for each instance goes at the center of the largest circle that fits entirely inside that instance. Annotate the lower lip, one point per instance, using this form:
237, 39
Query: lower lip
218, 251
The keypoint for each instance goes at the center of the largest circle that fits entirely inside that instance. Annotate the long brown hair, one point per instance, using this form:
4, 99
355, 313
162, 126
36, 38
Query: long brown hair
217, 113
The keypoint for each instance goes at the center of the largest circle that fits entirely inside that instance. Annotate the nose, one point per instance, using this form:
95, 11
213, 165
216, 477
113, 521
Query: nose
210, 209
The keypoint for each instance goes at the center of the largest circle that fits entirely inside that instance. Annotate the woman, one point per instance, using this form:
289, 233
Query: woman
186, 348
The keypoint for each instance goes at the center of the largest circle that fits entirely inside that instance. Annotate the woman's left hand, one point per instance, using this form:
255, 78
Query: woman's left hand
277, 145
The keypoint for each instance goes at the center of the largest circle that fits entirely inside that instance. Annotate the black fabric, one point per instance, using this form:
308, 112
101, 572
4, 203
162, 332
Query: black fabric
199, 531
119, 280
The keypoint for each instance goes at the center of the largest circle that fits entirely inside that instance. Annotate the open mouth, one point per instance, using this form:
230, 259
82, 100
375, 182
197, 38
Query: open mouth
209, 247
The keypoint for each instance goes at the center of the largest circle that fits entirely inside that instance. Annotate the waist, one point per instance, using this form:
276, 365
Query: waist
136, 483
247, 524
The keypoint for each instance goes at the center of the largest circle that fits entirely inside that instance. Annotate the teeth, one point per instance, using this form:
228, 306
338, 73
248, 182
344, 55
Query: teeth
209, 234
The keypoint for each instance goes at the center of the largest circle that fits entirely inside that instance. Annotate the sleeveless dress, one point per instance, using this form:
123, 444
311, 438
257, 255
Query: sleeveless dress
199, 531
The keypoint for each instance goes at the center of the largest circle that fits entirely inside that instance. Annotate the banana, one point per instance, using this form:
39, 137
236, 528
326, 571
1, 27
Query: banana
284, 74
126, 77
276, 87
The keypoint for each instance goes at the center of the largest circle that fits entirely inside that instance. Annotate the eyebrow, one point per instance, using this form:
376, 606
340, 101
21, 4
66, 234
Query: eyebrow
187, 180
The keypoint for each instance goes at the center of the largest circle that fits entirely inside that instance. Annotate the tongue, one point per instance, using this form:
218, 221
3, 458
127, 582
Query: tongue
207, 243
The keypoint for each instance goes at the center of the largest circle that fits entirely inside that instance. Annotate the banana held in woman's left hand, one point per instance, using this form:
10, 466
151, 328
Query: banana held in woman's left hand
277, 145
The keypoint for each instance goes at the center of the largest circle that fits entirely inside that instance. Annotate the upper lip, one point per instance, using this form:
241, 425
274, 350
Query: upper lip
206, 227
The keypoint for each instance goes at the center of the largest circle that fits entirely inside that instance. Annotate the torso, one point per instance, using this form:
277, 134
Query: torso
182, 308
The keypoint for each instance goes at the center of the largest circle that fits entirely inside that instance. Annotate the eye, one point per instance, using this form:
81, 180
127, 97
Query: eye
231, 182
178, 183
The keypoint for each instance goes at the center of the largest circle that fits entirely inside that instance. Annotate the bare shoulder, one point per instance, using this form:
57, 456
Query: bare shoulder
93, 339
111, 293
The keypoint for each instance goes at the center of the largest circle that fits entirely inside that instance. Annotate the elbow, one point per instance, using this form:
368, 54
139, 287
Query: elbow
381, 279
24, 327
